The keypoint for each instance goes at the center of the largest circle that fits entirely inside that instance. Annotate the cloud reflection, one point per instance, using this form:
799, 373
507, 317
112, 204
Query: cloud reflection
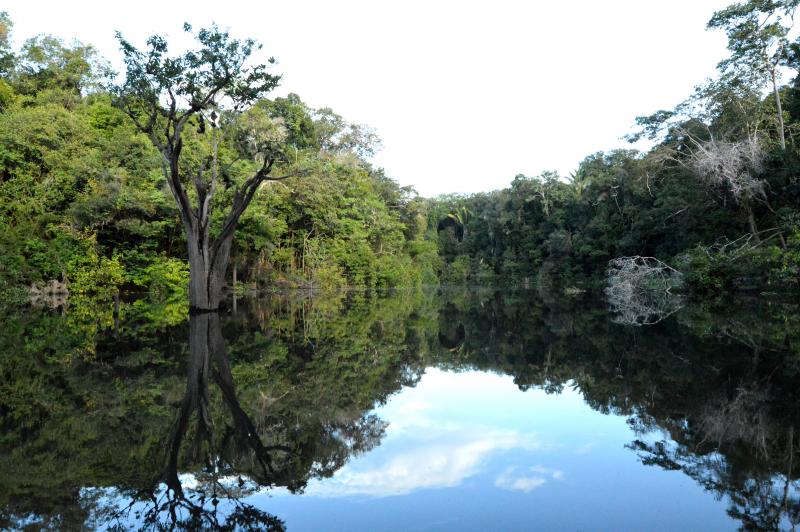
535, 477
445, 462
426, 446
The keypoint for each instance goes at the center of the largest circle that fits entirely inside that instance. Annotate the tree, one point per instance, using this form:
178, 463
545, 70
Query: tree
214, 88
757, 33
335, 135
6, 54
47, 63
732, 165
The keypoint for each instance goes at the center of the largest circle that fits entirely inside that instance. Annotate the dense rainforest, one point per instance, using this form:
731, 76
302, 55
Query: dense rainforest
109, 417
85, 206
83, 199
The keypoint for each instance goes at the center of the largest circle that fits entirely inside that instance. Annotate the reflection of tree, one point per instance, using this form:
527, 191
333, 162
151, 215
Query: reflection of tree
722, 382
736, 445
287, 398
196, 509
214, 500
642, 307
638, 290
239, 455
208, 358
287, 402
761, 499
451, 332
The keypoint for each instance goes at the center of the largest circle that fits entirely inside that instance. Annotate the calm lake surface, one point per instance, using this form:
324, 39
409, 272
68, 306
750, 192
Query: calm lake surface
413, 410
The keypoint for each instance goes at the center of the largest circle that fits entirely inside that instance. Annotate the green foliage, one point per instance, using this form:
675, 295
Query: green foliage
706, 272
770, 268
82, 190
458, 271
94, 276
165, 278
787, 272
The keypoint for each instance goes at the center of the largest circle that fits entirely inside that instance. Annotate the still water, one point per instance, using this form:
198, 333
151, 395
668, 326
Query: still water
419, 410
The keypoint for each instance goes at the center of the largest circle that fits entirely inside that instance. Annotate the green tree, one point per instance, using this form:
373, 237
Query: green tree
213, 88
6, 54
757, 33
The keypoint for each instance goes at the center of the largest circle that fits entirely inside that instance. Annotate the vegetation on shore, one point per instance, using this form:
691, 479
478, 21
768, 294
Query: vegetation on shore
86, 208
83, 199
717, 197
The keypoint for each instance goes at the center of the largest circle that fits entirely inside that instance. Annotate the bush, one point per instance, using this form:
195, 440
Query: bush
458, 271
766, 268
166, 278
94, 276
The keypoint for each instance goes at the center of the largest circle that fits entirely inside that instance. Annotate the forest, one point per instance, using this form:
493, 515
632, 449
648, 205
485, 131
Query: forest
84, 202
86, 208
716, 197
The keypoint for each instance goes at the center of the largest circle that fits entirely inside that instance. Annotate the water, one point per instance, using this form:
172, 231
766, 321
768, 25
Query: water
413, 410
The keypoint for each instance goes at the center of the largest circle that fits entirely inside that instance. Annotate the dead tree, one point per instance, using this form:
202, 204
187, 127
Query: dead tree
639, 290
732, 166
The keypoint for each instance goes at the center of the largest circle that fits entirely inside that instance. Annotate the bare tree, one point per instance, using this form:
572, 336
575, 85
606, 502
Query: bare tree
639, 290
733, 166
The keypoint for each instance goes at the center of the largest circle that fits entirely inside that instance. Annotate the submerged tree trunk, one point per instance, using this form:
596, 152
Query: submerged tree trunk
208, 362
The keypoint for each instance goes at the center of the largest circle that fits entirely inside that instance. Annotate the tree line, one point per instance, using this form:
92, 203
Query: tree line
716, 197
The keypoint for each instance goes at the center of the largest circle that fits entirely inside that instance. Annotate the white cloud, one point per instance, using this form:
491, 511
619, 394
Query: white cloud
455, 427
436, 437
535, 477
585, 448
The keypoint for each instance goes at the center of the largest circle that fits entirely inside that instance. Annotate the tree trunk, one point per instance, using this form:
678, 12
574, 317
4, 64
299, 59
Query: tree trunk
208, 265
779, 108
116, 314
234, 287
751, 222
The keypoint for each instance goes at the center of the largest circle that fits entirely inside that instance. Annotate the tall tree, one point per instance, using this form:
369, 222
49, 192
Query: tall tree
757, 33
213, 87
6, 54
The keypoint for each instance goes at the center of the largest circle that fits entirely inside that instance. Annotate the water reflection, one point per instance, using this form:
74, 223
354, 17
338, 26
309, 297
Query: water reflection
120, 422
232, 456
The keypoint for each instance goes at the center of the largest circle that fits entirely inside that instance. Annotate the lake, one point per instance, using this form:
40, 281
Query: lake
439, 409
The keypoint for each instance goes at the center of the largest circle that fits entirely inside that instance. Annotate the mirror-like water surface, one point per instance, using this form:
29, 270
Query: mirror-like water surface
437, 410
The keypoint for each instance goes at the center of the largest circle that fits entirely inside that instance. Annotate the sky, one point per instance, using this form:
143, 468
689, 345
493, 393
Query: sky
465, 94
470, 450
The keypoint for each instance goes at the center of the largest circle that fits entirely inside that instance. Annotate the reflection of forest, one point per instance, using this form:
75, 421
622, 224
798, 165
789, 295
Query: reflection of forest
712, 392
103, 421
